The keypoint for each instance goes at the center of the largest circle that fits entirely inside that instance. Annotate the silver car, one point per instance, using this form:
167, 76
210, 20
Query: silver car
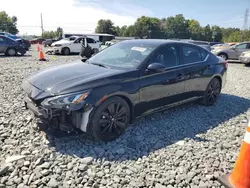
245, 58
233, 52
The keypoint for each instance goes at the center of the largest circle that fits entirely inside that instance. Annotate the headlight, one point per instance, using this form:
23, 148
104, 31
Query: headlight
57, 45
69, 102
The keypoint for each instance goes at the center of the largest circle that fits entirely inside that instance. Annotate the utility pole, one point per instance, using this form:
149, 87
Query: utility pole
42, 23
245, 24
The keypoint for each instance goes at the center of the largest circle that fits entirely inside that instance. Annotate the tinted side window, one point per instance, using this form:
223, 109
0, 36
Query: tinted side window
203, 54
78, 40
89, 40
167, 55
241, 46
2, 40
191, 54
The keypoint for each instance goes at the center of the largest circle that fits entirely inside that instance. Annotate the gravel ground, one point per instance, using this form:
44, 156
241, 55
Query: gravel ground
188, 146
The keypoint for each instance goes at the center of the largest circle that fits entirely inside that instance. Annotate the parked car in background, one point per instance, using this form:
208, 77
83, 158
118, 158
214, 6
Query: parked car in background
232, 52
220, 46
37, 41
48, 42
24, 42
125, 81
245, 57
203, 44
215, 43
11, 47
73, 45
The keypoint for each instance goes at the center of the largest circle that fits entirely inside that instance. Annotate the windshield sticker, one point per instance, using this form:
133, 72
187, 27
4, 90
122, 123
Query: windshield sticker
140, 49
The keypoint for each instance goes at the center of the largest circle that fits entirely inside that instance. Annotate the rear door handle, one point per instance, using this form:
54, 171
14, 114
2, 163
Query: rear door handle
209, 66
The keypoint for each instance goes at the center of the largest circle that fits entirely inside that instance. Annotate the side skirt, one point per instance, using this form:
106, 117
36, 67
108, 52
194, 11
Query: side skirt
160, 109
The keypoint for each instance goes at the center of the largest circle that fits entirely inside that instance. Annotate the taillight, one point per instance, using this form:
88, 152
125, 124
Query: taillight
225, 63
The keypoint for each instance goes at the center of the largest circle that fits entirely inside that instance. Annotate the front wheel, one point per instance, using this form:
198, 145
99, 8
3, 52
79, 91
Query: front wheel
11, 52
212, 92
110, 119
65, 51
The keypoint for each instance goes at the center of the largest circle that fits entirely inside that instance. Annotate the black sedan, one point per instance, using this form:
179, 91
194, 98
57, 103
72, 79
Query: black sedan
125, 81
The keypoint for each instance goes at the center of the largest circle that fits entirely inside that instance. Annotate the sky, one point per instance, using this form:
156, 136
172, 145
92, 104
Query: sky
81, 16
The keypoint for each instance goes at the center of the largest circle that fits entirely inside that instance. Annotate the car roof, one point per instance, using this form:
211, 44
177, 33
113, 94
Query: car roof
7, 37
155, 41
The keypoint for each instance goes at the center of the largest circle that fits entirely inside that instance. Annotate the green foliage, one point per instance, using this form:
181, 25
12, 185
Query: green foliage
50, 34
106, 26
7, 23
173, 27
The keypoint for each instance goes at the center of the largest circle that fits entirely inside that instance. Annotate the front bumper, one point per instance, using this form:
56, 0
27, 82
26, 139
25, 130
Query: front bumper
55, 50
78, 119
38, 111
244, 59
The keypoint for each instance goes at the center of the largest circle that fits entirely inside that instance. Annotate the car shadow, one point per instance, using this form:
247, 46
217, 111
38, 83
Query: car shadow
25, 55
154, 131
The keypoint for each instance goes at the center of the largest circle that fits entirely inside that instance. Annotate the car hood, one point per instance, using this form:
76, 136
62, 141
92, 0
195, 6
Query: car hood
63, 41
68, 78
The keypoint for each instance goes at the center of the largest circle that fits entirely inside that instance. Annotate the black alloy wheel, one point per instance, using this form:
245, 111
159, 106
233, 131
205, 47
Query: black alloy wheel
212, 92
110, 119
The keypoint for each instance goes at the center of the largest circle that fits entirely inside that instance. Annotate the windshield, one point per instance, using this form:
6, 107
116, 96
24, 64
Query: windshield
123, 55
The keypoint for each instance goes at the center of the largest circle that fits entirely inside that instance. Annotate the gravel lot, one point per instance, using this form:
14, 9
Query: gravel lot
188, 146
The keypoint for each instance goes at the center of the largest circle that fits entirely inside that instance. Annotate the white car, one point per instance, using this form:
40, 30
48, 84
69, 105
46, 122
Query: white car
73, 45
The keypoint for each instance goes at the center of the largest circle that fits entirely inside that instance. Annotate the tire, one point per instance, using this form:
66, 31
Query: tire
212, 92
95, 50
65, 51
11, 52
247, 64
223, 55
111, 127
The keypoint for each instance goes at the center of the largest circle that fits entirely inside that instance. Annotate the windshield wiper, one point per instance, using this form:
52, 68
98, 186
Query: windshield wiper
100, 65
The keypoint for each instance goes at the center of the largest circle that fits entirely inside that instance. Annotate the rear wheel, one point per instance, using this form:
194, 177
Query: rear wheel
65, 51
212, 92
11, 52
110, 119
223, 55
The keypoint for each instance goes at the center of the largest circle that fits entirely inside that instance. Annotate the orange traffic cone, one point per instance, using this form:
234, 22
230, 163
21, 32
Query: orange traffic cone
41, 56
240, 176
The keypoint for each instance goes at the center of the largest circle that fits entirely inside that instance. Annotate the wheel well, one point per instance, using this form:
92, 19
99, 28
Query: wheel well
223, 53
10, 48
65, 47
130, 106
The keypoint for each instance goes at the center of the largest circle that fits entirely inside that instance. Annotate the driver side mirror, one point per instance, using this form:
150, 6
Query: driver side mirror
156, 67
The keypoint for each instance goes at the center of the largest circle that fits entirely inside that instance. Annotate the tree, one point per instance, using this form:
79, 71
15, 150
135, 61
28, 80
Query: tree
173, 27
105, 26
194, 29
147, 27
8, 24
59, 31
50, 34
217, 33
